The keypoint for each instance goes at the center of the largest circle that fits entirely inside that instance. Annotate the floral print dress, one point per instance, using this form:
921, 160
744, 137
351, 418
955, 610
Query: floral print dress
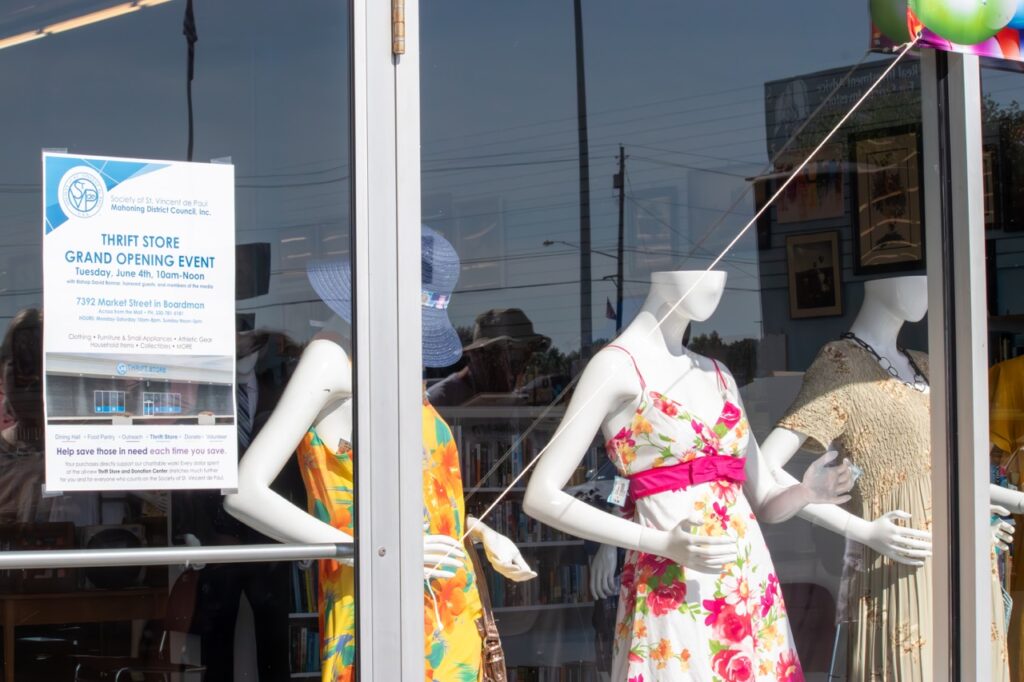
452, 645
675, 623
328, 475
452, 605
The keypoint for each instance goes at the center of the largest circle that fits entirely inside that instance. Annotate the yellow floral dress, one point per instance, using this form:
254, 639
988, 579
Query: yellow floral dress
450, 605
328, 476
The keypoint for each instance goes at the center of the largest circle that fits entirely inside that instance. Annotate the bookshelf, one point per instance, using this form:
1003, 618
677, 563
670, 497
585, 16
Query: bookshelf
545, 623
303, 624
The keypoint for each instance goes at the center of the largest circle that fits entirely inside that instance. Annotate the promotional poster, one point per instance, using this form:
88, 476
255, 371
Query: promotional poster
138, 338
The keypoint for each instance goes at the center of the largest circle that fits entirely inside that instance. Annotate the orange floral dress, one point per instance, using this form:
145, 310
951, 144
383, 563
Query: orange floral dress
450, 605
328, 475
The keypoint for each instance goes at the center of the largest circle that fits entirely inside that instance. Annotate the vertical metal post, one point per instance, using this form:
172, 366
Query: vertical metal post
586, 313
387, 349
957, 345
620, 184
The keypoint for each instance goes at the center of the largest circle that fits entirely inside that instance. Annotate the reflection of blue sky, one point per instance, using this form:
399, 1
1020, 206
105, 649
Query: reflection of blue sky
680, 84
270, 92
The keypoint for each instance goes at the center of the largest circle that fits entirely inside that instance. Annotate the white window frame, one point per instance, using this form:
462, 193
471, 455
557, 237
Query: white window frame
958, 348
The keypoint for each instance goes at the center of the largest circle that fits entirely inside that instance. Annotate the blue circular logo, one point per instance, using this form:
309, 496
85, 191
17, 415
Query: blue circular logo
122, 368
81, 192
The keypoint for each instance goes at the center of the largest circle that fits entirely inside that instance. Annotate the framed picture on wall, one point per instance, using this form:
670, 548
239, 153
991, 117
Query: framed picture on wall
815, 274
887, 200
816, 193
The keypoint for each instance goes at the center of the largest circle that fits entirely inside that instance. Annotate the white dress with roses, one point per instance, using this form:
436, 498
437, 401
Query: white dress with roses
675, 623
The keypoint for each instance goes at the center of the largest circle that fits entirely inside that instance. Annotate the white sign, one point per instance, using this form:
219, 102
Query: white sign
139, 324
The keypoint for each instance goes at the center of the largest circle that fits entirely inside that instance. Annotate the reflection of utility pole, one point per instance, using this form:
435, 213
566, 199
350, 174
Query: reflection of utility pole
586, 321
619, 183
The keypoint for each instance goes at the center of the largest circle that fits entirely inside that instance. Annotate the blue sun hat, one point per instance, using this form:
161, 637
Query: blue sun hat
439, 267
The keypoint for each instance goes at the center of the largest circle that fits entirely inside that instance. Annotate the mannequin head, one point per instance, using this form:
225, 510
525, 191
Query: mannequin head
702, 290
904, 297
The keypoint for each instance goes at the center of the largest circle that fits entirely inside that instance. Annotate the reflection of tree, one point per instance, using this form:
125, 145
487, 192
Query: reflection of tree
739, 356
1003, 136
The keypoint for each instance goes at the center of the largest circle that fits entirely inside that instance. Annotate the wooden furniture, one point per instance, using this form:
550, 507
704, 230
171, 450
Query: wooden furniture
82, 606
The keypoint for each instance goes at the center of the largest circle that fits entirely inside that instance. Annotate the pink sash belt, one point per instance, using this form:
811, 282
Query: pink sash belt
682, 476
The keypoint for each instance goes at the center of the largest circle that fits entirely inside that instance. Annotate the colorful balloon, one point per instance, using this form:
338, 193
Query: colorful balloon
966, 22
1018, 16
890, 17
1009, 41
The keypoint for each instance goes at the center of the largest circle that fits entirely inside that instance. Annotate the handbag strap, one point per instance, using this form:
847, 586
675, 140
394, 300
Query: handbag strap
481, 578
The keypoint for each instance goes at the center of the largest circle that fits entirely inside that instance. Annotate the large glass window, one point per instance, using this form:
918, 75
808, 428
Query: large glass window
1002, 124
587, 170
266, 88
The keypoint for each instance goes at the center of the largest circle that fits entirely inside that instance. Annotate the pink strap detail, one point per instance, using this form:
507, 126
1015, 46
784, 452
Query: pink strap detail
643, 384
721, 377
682, 476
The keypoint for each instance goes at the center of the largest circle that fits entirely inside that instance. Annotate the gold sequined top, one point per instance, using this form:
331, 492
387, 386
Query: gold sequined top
882, 424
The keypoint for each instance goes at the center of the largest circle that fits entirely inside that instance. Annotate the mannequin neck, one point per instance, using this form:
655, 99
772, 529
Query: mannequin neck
672, 329
877, 325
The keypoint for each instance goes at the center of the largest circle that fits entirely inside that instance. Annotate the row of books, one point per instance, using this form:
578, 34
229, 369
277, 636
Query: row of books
305, 586
509, 519
562, 584
305, 650
571, 672
483, 448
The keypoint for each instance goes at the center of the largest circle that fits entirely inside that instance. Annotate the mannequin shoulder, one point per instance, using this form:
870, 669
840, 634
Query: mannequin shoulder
612, 373
840, 356
324, 363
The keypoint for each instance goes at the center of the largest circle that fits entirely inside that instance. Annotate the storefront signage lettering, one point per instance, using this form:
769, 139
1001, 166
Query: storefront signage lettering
138, 332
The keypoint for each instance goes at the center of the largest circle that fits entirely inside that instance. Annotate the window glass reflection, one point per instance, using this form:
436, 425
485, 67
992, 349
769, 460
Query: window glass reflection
694, 119
269, 95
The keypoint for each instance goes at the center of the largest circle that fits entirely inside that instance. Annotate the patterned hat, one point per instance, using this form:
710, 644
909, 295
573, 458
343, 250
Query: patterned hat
439, 267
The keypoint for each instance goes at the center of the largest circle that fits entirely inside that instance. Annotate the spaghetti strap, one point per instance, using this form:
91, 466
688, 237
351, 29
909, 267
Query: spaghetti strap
721, 377
643, 384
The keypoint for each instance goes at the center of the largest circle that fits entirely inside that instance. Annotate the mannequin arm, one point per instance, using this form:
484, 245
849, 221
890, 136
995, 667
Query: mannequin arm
601, 391
321, 379
884, 535
503, 554
775, 502
1011, 500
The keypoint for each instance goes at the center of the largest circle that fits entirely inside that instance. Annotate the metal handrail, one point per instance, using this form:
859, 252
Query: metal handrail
160, 556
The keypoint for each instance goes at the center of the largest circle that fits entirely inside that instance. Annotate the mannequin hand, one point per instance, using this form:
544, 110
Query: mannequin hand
903, 545
504, 555
192, 541
828, 481
1002, 531
442, 556
701, 553
602, 572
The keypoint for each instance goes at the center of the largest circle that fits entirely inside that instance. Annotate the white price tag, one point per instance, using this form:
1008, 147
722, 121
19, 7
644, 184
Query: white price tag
619, 491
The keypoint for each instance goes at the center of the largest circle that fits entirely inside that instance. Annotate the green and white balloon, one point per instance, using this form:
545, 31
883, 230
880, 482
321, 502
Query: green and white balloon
966, 22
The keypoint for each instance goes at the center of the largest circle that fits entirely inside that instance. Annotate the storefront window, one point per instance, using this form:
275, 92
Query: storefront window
587, 175
259, 93
1002, 92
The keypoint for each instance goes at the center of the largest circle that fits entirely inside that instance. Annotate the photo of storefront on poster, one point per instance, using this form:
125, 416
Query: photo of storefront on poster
138, 333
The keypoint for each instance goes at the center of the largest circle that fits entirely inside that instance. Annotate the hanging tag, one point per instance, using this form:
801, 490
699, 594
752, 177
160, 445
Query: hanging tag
619, 491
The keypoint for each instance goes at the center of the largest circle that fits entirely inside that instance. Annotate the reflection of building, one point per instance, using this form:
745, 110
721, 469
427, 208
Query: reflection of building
83, 386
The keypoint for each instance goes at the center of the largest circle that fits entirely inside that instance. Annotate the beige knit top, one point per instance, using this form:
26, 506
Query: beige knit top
882, 424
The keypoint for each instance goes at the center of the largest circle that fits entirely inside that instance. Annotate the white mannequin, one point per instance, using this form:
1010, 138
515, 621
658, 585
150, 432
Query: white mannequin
607, 394
319, 393
888, 303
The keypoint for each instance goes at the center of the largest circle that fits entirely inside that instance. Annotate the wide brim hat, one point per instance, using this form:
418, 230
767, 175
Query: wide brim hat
331, 279
509, 325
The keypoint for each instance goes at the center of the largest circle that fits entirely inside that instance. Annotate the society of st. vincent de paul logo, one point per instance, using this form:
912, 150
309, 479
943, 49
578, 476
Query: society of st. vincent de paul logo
81, 192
